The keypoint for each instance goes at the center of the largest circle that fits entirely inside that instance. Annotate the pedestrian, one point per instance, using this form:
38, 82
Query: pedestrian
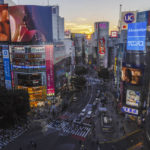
34, 145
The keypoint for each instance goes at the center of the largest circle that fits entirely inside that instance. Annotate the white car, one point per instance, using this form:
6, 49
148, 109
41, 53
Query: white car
83, 112
74, 99
89, 113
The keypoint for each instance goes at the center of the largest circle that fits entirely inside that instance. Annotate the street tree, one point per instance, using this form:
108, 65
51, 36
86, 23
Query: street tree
81, 70
14, 106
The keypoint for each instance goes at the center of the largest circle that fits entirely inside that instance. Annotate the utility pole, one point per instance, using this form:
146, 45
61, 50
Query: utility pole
48, 2
119, 24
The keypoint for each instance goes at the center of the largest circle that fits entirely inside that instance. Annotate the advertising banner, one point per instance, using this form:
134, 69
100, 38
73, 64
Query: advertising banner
136, 36
127, 17
31, 23
49, 69
133, 98
7, 70
102, 46
4, 23
131, 75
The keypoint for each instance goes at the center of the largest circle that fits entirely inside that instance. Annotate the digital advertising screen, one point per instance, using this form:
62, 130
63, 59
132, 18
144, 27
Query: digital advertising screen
31, 23
4, 23
133, 98
49, 52
136, 36
131, 75
102, 46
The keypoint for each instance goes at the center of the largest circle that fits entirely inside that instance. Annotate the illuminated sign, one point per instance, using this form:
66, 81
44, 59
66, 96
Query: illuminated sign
49, 69
114, 34
103, 25
28, 67
130, 110
133, 98
136, 36
129, 18
7, 70
102, 46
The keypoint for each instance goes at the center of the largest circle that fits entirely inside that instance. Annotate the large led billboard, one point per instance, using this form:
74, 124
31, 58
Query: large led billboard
133, 98
131, 75
4, 23
136, 36
31, 23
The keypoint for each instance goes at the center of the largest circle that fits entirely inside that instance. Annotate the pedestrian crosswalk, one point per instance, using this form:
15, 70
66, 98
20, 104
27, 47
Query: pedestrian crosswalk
9, 135
74, 130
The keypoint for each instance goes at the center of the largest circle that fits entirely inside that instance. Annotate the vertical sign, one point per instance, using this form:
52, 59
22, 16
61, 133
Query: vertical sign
49, 69
6, 62
102, 46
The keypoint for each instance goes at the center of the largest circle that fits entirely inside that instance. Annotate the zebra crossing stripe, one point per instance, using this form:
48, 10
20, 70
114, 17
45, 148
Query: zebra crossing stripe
87, 132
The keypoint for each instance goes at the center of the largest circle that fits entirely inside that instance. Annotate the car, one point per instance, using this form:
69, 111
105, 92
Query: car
97, 95
89, 114
106, 123
97, 99
89, 107
74, 99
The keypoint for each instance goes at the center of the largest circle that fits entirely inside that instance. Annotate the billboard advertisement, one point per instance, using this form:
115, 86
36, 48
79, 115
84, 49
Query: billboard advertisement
49, 69
31, 23
136, 36
4, 23
133, 98
102, 46
131, 75
7, 70
127, 17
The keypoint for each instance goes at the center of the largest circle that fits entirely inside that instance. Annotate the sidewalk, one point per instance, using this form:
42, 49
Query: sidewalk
130, 126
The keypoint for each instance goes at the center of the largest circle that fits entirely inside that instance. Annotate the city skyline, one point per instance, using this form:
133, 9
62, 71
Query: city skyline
80, 15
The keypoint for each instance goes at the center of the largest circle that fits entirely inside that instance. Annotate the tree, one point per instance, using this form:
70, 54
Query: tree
78, 81
103, 73
14, 106
81, 70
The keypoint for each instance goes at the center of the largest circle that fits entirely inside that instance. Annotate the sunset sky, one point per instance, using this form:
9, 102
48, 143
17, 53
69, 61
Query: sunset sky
80, 15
